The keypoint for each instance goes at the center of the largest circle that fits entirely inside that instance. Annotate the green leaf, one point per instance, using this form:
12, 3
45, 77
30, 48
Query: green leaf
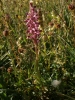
1, 46
1, 86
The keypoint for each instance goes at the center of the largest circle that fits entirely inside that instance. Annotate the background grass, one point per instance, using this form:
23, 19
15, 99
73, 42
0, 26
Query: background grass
56, 51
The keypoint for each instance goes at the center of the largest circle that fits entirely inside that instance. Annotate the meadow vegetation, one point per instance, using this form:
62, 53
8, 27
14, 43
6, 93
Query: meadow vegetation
43, 68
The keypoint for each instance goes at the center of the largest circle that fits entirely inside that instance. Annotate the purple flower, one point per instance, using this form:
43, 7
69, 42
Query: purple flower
32, 23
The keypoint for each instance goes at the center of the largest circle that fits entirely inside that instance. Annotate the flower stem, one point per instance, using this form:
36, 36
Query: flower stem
36, 68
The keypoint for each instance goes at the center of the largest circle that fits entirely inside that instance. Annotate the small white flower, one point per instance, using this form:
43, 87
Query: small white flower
56, 83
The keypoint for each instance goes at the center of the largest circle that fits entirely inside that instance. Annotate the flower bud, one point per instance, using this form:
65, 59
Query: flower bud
5, 32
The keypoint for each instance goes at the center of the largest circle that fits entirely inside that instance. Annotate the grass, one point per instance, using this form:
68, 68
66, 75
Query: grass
56, 59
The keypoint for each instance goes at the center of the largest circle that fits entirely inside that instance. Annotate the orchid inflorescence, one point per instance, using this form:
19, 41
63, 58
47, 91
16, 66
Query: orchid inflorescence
32, 23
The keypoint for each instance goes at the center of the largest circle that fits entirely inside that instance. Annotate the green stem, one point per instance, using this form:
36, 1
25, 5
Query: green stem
36, 68
71, 98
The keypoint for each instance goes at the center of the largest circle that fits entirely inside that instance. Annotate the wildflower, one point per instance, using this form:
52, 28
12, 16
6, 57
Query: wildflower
32, 22
71, 6
5, 32
56, 83
20, 50
7, 17
51, 24
9, 70
58, 25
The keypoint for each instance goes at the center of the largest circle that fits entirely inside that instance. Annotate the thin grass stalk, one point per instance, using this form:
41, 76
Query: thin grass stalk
73, 2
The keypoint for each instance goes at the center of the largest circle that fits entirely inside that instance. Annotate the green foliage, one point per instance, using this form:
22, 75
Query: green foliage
52, 77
